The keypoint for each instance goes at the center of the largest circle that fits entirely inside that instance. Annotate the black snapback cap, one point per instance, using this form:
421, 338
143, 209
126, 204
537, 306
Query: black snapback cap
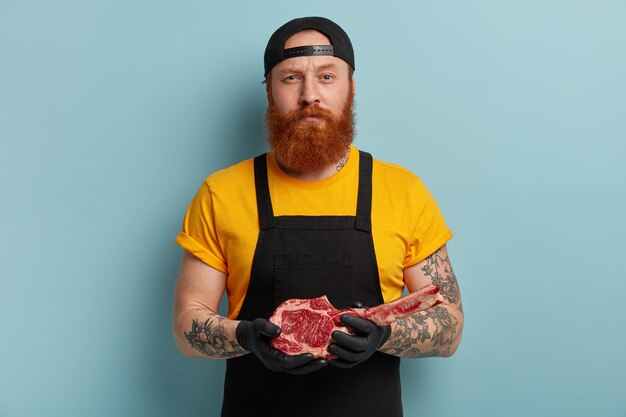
341, 47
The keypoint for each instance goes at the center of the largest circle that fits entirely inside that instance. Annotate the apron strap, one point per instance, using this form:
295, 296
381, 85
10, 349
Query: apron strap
263, 201
363, 220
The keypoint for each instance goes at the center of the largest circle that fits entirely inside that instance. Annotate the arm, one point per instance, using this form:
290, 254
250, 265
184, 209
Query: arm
202, 333
435, 331
199, 330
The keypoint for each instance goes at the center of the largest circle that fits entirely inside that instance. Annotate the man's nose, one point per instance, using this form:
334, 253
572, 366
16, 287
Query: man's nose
309, 93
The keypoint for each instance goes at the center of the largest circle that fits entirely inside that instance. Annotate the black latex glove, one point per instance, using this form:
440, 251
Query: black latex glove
354, 349
254, 336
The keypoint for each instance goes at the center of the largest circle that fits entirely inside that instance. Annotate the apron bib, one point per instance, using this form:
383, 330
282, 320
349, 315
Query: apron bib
306, 257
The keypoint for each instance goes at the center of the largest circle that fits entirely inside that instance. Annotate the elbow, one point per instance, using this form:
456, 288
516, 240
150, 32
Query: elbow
180, 344
452, 348
184, 346
458, 332
180, 339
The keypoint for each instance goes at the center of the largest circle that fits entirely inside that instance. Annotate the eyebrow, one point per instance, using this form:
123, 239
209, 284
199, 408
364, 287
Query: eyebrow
317, 68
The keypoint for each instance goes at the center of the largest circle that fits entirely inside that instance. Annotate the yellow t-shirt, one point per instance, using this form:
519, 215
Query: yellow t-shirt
221, 226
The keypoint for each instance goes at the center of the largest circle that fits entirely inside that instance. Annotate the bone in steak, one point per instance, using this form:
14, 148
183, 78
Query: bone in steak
307, 324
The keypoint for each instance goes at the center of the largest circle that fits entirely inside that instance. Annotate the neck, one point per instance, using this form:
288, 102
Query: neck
316, 175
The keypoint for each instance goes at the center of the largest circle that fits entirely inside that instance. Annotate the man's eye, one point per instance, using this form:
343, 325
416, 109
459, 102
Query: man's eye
291, 78
327, 77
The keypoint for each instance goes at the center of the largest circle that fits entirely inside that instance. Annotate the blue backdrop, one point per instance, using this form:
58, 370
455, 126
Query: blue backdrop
113, 112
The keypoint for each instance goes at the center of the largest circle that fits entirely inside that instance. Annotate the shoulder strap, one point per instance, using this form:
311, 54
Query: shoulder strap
263, 201
363, 220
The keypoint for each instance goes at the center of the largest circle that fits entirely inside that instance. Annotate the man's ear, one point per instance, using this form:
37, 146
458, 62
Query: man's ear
353, 85
268, 90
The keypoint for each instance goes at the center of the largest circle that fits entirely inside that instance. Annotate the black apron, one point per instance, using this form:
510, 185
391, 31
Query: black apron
306, 257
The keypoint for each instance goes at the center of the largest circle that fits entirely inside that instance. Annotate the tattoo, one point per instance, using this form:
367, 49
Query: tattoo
209, 338
342, 163
416, 353
435, 327
440, 272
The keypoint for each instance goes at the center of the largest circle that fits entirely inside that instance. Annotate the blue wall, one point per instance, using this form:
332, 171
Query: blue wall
112, 113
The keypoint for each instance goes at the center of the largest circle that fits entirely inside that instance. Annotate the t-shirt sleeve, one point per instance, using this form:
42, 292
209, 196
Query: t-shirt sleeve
199, 235
431, 231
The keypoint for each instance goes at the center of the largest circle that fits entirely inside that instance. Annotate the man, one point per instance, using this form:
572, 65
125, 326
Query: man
314, 216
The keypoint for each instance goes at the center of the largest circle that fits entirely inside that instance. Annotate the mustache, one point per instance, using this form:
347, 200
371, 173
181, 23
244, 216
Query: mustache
313, 110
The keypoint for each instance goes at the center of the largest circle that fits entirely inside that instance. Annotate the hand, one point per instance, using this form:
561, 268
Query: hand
254, 336
354, 349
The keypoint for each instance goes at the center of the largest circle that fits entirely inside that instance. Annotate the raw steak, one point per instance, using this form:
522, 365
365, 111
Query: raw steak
307, 324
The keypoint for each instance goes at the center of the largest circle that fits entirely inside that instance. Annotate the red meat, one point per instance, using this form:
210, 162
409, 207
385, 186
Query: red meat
307, 324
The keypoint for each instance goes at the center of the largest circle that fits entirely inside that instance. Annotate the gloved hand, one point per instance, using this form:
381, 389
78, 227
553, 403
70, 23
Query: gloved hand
354, 349
254, 336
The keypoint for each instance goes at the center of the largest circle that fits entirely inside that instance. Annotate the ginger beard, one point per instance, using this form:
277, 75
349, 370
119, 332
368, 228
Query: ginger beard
307, 146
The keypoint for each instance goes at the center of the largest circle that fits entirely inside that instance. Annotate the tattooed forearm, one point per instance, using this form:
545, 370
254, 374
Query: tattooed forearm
427, 333
435, 331
437, 266
209, 338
